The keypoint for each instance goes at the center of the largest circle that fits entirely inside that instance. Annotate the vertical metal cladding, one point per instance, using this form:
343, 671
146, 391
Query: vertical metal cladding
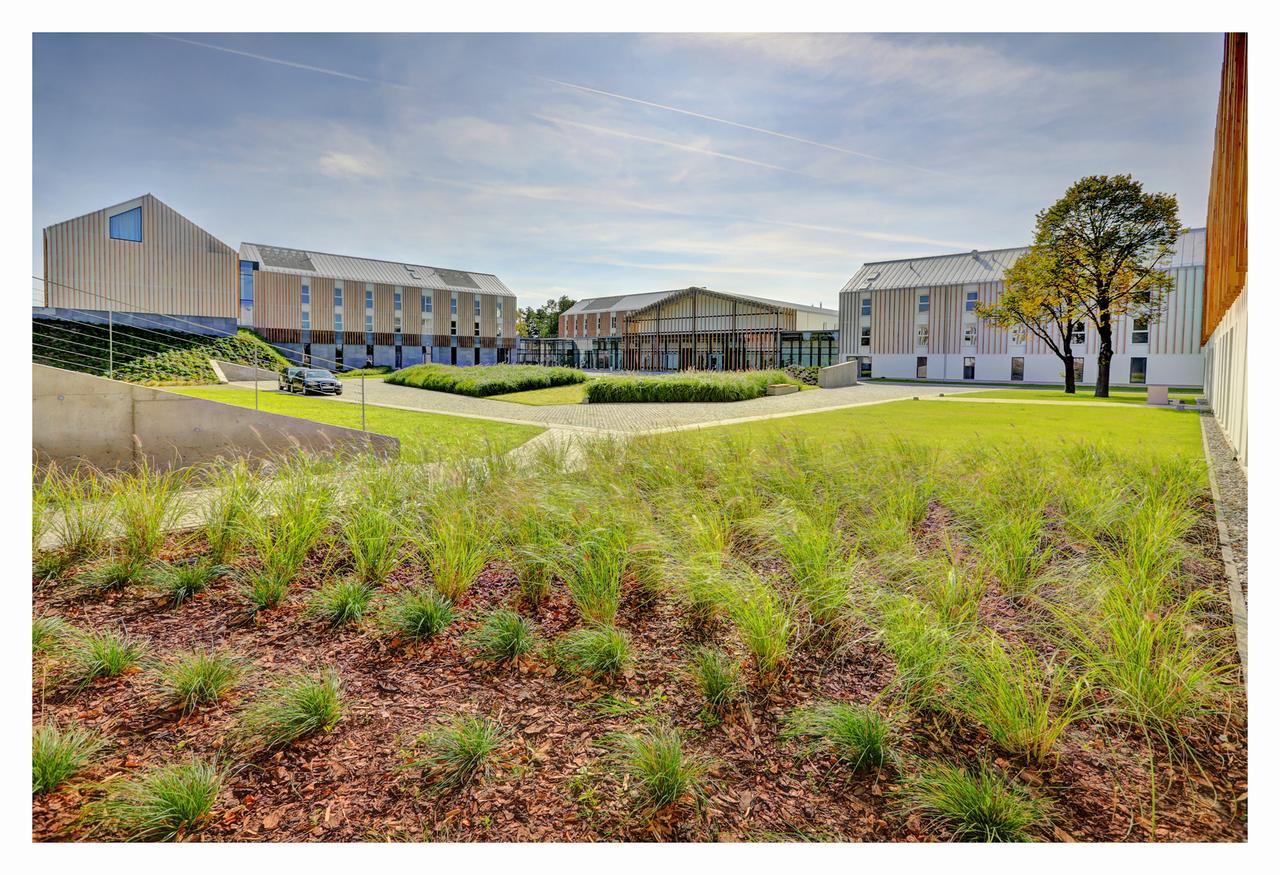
893, 321
176, 269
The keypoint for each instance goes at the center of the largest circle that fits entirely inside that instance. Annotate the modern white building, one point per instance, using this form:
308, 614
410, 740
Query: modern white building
916, 318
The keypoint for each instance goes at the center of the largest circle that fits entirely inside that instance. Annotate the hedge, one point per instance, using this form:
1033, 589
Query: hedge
481, 380
691, 386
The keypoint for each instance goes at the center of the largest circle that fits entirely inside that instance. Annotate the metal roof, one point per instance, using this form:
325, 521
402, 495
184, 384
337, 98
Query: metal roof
306, 262
983, 266
635, 302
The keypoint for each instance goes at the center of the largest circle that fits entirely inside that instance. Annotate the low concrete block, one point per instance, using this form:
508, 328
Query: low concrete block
837, 376
781, 389
1158, 396
238, 373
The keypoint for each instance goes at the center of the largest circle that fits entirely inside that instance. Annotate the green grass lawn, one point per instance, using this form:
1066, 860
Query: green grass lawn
947, 425
570, 394
1118, 396
423, 436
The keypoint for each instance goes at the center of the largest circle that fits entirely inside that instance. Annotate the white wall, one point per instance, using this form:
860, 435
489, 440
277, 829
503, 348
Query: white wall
1226, 374
1173, 370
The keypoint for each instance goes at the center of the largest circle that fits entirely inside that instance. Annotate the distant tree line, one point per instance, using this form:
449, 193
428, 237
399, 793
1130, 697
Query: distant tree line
543, 321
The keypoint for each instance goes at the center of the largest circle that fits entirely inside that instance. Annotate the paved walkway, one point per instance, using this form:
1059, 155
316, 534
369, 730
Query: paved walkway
625, 419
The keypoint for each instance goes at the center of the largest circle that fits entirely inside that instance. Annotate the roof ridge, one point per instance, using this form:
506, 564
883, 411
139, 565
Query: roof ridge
367, 258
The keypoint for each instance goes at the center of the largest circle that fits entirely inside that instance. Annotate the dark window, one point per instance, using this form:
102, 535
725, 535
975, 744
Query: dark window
306, 354
1016, 368
923, 306
866, 336
1138, 369
864, 368
368, 354
922, 367
1079, 369
399, 357
127, 225
337, 355
1140, 331
1077, 334
968, 367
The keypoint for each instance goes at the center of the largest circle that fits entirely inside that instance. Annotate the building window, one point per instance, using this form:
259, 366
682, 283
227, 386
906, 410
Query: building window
246, 283
337, 312
922, 367
368, 308
398, 310
866, 305
1141, 333
306, 295
970, 301
127, 225
477, 334
453, 328
1018, 335
1016, 368
599, 320
427, 318
1138, 369
453, 305
1078, 367
923, 306
476, 301
922, 335
970, 334
969, 364
865, 338
613, 323
497, 310
864, 367
1077, 333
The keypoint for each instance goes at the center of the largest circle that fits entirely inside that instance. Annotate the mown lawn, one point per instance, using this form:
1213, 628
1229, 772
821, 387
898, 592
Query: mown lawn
1118, 396
574, 393
949, 423
423, 436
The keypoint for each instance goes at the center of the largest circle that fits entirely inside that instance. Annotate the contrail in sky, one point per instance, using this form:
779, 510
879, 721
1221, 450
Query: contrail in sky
270, 60
725, 121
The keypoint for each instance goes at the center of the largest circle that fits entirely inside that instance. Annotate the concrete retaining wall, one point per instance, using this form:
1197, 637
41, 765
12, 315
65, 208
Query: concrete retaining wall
836, 376
111, 425
236, 373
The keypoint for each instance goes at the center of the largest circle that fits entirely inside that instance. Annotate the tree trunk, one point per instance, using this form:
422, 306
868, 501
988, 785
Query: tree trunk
1069, 369
1103, 388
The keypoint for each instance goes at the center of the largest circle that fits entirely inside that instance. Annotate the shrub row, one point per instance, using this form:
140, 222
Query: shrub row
481, 380
691, 386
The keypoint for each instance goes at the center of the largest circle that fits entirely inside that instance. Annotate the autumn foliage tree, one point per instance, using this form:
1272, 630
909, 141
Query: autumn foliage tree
1103, 248
1039, 298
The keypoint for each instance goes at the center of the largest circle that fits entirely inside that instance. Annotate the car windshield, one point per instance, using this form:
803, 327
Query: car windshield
316, 372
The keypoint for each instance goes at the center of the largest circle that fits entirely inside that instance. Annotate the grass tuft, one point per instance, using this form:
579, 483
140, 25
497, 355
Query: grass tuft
57, 753
199, 677
655, 762
599, 651
50, 633
857, 735
296, 707
103, 655
503, 636
163, 803
341, 601
978, 805
719, 679
188, 579
458, 751
415, 615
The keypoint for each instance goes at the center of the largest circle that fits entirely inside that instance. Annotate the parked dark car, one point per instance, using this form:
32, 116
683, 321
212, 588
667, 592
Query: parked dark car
305, 380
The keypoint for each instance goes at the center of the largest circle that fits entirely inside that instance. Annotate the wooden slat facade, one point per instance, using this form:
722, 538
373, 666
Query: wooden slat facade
1227, 238
177, 269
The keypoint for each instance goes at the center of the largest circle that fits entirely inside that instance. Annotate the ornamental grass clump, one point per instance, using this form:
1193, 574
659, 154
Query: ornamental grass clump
235, 502
82, 509
699, 386
978, 805
103, 655
58, 752
341, 601
718, 677
159, 804
656, 765
50, 633
374, 542
856, 735
921, 646
483, 380
292, 523
415, 615
458, 751
297, 706
455, 547
199, 677
599, 651
1025, 706
765, 624
148, 504
503, 636
820, 565
592, 569
185, 580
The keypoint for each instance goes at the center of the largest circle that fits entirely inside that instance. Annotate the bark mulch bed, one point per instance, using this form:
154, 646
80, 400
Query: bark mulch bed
552, 782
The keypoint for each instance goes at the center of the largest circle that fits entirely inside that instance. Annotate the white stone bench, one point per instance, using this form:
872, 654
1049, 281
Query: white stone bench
1158, 396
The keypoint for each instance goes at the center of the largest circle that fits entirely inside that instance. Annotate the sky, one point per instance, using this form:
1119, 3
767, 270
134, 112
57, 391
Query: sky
584, 165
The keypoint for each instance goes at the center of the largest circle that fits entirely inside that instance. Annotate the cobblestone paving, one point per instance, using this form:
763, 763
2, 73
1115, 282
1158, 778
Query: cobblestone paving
628, 418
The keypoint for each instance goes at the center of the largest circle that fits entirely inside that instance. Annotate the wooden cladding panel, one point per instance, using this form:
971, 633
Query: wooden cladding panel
177, 269
1227, 237
893, 322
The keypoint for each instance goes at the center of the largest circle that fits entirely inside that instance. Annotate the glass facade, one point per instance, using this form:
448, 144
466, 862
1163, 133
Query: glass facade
246, 291
809, 349
1138, 369
1017, 366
